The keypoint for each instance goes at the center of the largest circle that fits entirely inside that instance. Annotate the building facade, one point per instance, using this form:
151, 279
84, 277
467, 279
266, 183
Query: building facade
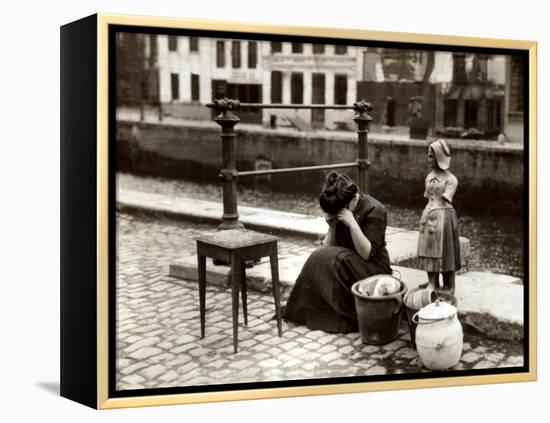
193, 71
453, 93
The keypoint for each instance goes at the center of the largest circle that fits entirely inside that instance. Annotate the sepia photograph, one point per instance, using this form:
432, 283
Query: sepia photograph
295, 211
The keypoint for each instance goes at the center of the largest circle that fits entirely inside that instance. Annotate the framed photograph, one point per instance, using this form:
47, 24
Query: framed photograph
255, 211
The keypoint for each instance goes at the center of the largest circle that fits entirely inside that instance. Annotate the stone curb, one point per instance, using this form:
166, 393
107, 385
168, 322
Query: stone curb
401, 243
491, 303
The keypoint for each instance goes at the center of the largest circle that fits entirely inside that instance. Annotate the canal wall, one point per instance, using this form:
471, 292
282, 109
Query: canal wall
490, 175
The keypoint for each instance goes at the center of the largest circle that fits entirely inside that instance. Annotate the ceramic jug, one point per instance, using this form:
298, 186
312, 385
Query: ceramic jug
439, 336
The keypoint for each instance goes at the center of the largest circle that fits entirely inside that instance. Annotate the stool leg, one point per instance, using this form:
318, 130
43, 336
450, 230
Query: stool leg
235, 282
202, 291
273, 260
243, 292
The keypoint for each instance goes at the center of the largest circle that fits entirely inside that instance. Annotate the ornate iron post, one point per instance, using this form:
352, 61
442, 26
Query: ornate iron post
227, 120
362, 119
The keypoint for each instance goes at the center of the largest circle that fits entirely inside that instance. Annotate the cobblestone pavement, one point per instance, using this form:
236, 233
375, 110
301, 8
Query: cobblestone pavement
158, 325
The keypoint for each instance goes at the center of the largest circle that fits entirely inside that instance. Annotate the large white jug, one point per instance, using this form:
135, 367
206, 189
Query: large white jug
439, 336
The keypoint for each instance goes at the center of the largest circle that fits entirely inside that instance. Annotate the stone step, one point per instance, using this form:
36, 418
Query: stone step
491, 303
402, 243
258, 277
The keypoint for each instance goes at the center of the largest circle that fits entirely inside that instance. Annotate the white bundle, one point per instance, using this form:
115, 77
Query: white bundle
386, 285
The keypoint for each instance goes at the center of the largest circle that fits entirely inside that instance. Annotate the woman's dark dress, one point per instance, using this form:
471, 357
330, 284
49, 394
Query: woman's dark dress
322, 297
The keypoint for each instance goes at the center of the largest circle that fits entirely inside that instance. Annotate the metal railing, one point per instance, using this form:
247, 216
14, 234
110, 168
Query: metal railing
227, 119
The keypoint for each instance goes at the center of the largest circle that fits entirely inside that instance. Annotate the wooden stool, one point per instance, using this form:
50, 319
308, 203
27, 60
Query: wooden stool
235, 246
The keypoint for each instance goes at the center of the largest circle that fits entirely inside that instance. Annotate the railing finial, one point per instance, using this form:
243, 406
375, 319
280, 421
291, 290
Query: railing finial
225, 106
362, 106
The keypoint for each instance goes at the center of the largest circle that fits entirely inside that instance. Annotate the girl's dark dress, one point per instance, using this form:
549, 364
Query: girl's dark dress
322, 297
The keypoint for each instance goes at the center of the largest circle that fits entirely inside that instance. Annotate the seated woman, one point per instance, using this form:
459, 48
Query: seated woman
354, 249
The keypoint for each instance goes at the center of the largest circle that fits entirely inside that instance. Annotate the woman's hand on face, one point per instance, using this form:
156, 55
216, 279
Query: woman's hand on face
346, 217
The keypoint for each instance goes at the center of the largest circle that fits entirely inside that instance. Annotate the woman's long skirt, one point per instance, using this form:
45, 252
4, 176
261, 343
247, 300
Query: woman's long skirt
450, 257
322, 297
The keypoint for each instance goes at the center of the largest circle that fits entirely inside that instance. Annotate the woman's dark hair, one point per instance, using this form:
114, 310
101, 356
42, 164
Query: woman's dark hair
338, 191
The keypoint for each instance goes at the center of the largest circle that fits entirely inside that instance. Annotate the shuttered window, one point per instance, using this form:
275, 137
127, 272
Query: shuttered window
340, 89
297, 88
340, 49
276, 87
220, 54
236, 54
172, 43
297, 47
252, 54
318, 48
193, 44
175, 86
195, 87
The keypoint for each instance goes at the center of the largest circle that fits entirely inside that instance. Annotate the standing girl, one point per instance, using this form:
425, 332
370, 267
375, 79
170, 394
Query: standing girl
438, 241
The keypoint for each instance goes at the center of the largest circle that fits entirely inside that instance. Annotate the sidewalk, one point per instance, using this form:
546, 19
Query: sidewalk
401, 246
158, 341
492, 303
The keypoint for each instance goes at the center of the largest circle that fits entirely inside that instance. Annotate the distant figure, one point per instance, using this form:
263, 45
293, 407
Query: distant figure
438, 241
354, 249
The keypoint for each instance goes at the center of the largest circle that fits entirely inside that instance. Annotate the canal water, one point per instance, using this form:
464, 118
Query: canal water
496, 240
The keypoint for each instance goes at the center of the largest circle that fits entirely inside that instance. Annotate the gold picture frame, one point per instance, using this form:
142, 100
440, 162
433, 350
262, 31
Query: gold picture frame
93, 388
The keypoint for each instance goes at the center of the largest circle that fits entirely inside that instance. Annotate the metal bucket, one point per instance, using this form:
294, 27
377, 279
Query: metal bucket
378, 317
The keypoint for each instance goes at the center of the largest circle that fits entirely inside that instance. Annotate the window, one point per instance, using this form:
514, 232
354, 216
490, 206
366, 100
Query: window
340, 89
193, 43
297, 88
459, 67
220, 54
340, 49
175, 86
252, 54
236, 54
391, 107
318, 97
450, 112
494, 122
276, 87
318, 48
219, 90
172, 43
318, 88
276, 47
297, 47
516, 84
470, 114
195, 90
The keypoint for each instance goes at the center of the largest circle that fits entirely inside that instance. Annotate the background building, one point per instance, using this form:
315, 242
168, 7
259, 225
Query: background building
456, 95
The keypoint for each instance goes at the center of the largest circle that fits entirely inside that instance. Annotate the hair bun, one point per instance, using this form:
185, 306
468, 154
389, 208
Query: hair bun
337, 192
332, 177
331, 185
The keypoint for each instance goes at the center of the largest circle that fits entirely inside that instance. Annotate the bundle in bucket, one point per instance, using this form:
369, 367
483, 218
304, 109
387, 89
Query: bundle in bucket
378, 316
